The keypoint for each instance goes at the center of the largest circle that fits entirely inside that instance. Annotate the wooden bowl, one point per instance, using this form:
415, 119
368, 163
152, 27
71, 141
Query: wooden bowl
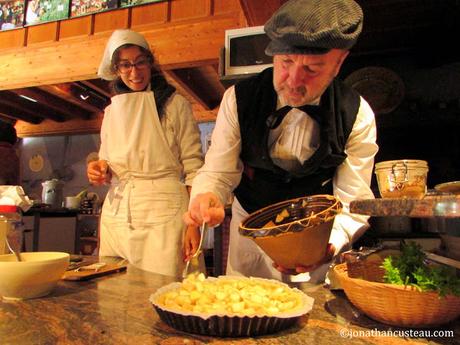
300, 240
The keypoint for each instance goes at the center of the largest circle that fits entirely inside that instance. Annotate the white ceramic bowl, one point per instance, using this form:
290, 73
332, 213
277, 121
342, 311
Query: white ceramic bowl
35, 276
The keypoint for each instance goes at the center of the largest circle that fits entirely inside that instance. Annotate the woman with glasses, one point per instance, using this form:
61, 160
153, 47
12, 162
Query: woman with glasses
150, 151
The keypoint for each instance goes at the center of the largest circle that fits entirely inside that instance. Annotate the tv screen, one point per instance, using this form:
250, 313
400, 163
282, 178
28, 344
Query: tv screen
245, 50
249, 50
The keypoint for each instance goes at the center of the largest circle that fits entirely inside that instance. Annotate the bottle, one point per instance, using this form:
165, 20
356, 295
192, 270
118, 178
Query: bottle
10, 227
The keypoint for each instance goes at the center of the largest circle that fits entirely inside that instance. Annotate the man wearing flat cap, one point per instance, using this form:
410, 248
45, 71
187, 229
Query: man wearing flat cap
291, 131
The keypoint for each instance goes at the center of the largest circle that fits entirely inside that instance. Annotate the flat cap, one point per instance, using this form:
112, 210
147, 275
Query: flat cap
314, 26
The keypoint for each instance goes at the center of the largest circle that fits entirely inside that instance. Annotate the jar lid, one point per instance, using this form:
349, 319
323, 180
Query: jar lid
402, 164
8, 208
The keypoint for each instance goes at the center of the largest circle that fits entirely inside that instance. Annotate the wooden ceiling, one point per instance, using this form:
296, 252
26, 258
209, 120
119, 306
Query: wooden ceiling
390, 26
58, 104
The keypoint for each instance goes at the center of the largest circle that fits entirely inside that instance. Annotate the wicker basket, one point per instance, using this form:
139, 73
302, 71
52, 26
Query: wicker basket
367, 265
365, 270
398, 305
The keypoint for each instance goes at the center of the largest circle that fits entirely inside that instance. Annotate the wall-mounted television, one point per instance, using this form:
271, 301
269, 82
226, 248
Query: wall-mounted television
245, 51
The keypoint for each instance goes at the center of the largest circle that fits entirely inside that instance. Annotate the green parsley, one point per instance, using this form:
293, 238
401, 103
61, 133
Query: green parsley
410, 268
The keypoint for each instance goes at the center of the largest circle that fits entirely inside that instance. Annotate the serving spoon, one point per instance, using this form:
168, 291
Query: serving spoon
15, 252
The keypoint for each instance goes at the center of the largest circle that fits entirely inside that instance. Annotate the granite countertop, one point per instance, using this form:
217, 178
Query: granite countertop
115, 309
429, 206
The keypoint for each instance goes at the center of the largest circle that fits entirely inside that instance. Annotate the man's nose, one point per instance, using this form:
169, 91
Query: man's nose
296, 76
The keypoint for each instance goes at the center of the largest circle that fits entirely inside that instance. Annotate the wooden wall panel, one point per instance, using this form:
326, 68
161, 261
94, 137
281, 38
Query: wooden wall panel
176, 46
145, 16
226, 6
258, 12
11, 39
191, 44
42, 33
111, 20
76, 27
183, 9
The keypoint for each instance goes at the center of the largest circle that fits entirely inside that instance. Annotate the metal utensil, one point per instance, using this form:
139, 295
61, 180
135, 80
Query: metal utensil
442, 260
15, 252
194, 259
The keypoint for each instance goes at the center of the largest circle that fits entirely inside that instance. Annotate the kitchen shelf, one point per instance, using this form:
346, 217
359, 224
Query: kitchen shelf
430, 206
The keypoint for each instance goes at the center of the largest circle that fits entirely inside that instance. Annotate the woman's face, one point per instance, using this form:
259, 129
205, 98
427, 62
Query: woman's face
134, 68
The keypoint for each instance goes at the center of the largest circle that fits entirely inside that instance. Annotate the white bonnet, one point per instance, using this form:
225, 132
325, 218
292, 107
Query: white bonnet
118, 38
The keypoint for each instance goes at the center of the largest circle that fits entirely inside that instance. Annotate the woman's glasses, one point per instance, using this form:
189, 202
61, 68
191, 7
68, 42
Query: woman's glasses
125, 67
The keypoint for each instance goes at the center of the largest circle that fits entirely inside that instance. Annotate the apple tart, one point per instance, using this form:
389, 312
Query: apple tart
230, 306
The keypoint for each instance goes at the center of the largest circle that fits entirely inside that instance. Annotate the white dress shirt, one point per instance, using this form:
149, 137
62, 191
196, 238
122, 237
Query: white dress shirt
223, 167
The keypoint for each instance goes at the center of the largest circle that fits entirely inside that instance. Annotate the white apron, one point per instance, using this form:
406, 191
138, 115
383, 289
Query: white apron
141, 218
245, 257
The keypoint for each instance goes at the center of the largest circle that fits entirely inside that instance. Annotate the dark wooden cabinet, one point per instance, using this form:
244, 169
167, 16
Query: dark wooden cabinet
60, 230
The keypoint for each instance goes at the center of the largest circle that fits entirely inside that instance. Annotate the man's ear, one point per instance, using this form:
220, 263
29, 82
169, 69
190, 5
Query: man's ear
344, 55
341, 58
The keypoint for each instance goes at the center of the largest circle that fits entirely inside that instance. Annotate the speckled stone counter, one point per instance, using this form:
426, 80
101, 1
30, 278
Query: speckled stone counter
429, 206
115, 309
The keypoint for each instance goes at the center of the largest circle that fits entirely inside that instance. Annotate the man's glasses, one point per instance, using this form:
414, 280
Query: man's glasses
125, 67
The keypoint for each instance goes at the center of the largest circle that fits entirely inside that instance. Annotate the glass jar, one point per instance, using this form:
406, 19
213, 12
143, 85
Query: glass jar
10, 227
404, 178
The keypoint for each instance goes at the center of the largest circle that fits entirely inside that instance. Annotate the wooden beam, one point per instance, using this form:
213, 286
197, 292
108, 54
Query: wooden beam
64, 91
199, 82
56, 104
210, 83
90, 96
202, 115
185, 88
179, 44
47, 127
12, 111
30, 106
8, 119
98, 85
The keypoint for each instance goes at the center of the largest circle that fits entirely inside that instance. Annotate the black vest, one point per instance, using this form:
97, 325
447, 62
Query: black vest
263, 183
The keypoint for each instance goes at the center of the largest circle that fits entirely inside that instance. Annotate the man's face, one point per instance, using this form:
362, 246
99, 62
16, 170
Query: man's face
302, 79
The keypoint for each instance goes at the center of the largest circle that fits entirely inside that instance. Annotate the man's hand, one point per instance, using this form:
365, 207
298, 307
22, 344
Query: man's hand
205, 208
98, 173
191, 241
303, 269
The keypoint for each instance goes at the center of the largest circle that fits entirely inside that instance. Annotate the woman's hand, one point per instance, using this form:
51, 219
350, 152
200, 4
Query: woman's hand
205, 208
98, 172
303, 269
191, 241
